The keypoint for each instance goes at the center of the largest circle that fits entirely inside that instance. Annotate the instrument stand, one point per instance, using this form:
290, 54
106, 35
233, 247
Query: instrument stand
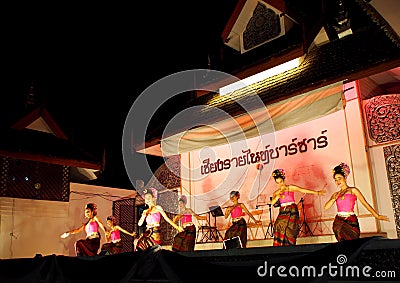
212, 234
270, 228
304, 225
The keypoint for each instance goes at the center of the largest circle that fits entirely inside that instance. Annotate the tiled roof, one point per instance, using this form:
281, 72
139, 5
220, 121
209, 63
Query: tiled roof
44, 147
373, 47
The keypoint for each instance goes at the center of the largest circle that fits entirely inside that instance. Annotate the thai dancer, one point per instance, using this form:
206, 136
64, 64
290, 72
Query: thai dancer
287, 223
91, 244
239, 225
185, 241
152, 215
345, 225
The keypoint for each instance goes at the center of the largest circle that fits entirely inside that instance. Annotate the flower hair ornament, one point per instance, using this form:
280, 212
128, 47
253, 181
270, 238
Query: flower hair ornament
279, 173
343, 169
183, 199
92, 206
235, 193
151, 191
112, 218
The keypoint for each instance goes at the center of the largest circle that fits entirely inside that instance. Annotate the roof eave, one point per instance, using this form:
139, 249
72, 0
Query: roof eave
52, 160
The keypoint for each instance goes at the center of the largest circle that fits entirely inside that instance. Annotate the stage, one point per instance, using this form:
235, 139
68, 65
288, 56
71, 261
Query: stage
268, 241
361, 260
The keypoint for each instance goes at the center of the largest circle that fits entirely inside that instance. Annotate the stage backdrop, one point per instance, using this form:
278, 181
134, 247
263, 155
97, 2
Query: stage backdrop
307, 153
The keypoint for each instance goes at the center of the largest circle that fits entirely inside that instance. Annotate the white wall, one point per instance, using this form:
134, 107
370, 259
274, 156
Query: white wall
29, 227
362, 178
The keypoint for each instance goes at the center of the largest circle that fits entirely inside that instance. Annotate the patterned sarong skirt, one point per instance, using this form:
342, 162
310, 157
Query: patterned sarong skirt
184, 241
111, 248
346, 228
149, 238
287, 226
87, 247
238, 228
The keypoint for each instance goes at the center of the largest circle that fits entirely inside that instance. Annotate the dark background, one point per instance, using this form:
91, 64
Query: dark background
96, 60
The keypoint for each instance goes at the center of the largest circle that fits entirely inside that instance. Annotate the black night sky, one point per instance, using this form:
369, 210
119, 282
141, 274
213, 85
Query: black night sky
96, 64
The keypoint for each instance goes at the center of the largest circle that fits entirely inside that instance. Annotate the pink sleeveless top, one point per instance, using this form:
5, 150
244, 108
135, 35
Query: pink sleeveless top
115, 235
289, 197
91, 227
186, 218
346, 204
236, 212
153, 218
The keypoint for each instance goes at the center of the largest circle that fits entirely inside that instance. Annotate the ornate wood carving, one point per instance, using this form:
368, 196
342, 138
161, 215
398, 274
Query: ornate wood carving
383, 118
34, 180
264, 25
392, 160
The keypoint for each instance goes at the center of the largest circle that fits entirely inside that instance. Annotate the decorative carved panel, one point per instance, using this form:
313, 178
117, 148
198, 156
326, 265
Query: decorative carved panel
126, 215
392, 160
264, 25
3, 175
167, 176
33, 180
383, 118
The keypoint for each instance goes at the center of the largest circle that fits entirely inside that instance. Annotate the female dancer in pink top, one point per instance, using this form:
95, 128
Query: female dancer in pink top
90, 245
152, 215
185, 241
239, 225
113, 237
345, 225
287, 224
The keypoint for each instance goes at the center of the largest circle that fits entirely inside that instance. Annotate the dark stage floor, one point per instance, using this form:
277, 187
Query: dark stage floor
373, 259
